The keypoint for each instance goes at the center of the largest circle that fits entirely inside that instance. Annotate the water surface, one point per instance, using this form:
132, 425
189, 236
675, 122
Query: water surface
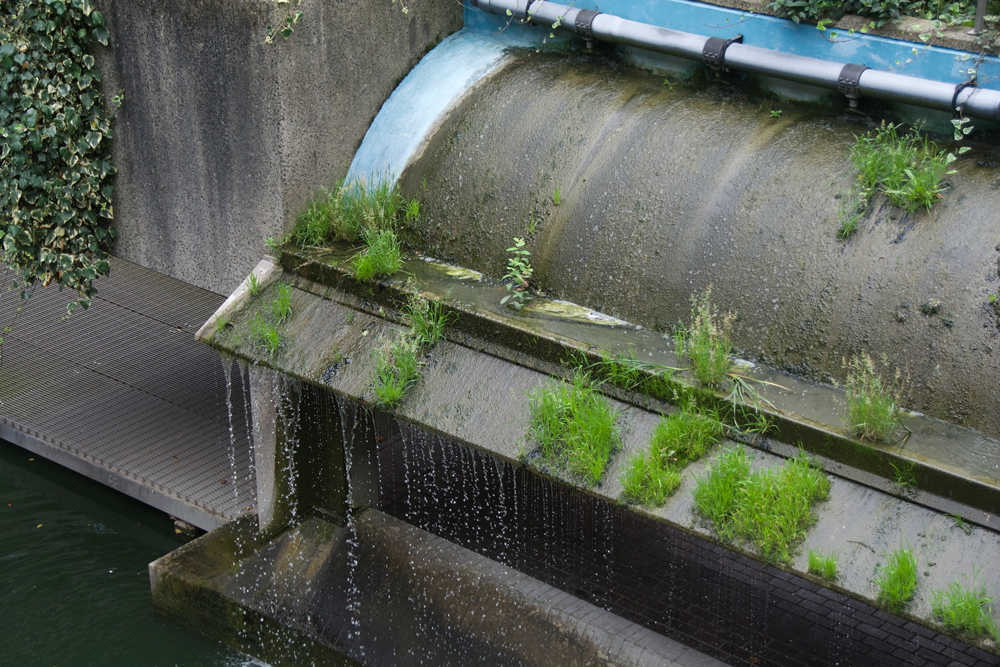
74, 583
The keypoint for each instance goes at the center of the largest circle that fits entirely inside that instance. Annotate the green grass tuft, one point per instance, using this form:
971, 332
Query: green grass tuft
872, 401
574, 427
823, 565
909, 169
397, 368
706, 342
631, 374
966, 608
428, 320
680, 438
281, 306
382, 257
770, 508
897, 579
347, 211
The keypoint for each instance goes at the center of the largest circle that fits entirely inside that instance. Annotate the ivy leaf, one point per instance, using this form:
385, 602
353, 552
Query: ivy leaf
100, 34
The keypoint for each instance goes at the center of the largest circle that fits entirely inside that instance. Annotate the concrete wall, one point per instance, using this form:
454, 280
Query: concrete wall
222, 138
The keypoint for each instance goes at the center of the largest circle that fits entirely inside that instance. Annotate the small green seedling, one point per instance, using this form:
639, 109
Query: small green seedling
518, 277
556, 196
775, 113
961, 523
254, 285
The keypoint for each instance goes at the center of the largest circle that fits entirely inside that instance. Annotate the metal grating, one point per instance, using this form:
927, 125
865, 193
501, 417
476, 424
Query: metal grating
124, 393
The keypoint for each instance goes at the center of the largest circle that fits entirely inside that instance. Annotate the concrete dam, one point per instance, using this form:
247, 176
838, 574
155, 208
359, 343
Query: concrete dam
595, 404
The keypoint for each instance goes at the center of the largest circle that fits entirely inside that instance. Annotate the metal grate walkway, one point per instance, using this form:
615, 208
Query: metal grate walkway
124, 394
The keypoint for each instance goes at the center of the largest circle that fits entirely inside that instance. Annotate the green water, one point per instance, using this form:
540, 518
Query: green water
74, 584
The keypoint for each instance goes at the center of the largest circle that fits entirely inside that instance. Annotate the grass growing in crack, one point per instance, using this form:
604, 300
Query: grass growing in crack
253, 285
908, 168
872, 401
356, 211
382, 257
281, 306
682, 437
397, 367
769, 508
574, 427
428, 320
966, 608
823, 565
265, 334
631, 374
706, 342
347, 211
851, 211
897, 579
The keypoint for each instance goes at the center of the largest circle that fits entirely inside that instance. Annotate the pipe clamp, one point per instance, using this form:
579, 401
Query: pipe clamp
848, 80
584, 25
714, 51
958, 110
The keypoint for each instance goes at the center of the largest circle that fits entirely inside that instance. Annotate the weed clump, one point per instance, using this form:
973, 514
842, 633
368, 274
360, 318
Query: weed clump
371, 213
382, 257
680, 438
769, 508
872, 401
966, 608
427, 320
574, 427
517, 280
706, 342
397, 365
397, 368
263, 326
823, 565
348, 210
628, 373
897, 579
909, 169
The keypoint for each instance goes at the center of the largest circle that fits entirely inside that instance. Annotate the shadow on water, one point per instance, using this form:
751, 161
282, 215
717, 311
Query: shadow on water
74, 583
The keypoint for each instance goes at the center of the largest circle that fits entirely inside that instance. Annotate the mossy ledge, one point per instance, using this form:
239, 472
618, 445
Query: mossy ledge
508, 337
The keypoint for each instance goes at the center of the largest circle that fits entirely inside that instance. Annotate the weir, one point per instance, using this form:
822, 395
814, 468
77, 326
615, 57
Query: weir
432, 529
641, 173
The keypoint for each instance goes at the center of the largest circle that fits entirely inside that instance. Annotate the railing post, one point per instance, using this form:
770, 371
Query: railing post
980, 12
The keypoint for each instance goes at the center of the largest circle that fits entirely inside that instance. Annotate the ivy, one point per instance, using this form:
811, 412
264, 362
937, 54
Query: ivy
55, 156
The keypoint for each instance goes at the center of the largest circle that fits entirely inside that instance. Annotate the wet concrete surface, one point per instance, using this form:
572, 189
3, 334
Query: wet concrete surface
480, 400
667, 190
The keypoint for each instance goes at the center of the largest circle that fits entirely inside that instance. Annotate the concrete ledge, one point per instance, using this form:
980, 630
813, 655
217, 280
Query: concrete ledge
549, 349
412, 598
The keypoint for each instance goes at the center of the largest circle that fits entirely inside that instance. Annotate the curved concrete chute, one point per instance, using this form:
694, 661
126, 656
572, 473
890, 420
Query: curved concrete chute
667, 191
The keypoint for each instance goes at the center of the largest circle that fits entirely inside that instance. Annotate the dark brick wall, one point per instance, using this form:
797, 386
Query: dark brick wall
715, 600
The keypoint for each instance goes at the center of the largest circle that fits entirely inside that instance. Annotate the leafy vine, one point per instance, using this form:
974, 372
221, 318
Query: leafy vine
55, 157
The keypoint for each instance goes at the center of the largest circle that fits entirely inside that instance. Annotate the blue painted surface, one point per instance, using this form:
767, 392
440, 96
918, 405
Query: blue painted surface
410, 115
408, 118
768, 32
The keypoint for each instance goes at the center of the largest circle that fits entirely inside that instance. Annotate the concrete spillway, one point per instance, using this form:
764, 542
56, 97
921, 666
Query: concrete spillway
667, 190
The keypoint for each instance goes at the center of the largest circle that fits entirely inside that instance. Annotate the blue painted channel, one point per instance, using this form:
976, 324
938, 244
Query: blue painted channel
422, 101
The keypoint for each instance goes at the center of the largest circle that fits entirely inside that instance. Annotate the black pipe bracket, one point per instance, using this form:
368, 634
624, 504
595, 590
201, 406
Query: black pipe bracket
714, 51
958, 110
584, 25
848, 80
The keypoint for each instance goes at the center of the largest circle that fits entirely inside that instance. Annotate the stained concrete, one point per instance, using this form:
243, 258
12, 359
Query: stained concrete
480, 400
666, 191
382, 592
223, 139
